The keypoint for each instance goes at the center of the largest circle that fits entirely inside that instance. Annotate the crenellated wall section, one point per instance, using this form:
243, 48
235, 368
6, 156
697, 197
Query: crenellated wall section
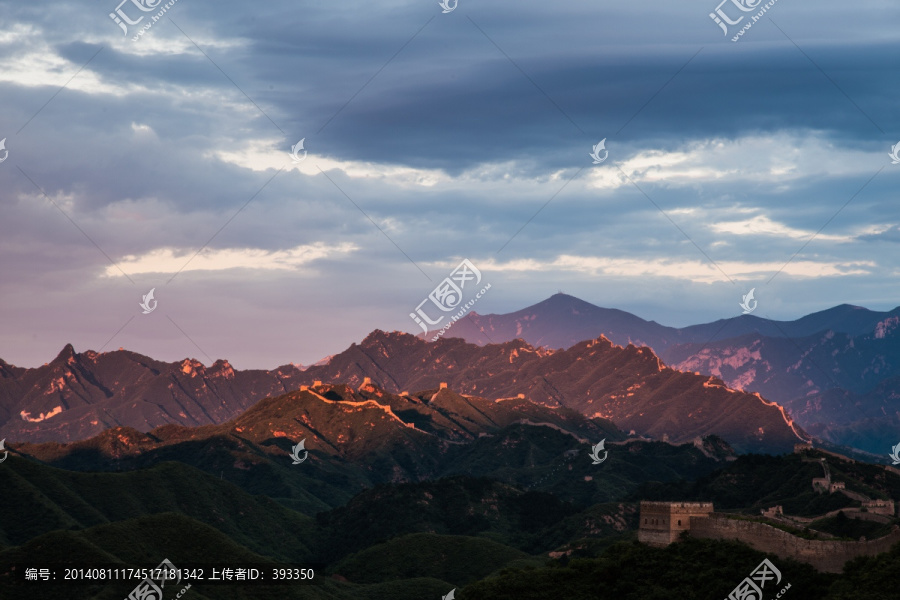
827, 556
661, 523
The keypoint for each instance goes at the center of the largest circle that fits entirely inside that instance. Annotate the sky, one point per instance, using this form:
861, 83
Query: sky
163, 161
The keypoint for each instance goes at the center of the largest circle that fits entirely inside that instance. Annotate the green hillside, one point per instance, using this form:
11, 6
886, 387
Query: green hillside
486, 538
695, 569
453, 558
753, 482
842, 526
541, 458
139, 541
45, 499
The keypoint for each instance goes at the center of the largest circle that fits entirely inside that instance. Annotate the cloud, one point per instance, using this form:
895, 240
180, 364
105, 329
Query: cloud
42, 67
167, 260
780, 160
762, 225
695, 271
451, 140
886, 233
263, 155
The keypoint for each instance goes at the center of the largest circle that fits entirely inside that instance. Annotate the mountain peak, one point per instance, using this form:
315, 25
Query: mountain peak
378, 335
67, 354
561, 300
560, 321
379, 341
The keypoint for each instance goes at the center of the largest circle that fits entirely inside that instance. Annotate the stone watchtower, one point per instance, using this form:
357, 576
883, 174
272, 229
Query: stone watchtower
662, 522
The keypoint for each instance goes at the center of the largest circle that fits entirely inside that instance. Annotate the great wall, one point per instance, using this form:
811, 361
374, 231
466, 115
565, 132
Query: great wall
663, 523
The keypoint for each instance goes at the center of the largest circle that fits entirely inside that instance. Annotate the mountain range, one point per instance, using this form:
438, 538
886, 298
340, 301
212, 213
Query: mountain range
77, 396
357, 438
837, 371
412, 484
562, 321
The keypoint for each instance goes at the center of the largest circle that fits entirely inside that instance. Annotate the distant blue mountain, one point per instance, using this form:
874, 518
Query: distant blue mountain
561, 321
